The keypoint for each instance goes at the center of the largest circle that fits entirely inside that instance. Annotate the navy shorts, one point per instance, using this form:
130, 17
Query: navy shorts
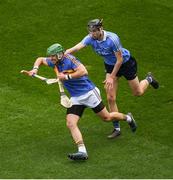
79, 109
128, 69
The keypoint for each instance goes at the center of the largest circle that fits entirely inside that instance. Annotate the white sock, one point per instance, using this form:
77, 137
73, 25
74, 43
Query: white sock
128, 118
82, 148
149, 79
117, 129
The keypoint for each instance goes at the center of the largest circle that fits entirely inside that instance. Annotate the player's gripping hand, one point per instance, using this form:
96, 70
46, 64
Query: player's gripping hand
32, 72
62, 76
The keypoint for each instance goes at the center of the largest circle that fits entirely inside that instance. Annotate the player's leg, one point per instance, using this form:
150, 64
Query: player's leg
152, 81
138, 87
111, 99
106, 116
73, 115
71, 122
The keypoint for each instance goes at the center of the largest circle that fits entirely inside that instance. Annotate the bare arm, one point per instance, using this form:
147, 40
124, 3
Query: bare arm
117, 64
111, 77
75, 48
79, 71
39, 61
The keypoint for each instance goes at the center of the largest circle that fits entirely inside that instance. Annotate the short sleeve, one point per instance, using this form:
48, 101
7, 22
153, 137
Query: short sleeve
50, 63
86, 40
73, 62
115, 43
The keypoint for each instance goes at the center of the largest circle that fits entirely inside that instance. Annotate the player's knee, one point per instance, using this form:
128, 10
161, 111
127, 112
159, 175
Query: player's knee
70, 124
111, 99
138, 93
106, 118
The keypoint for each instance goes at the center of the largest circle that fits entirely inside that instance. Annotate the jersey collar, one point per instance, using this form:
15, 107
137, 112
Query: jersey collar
104, 36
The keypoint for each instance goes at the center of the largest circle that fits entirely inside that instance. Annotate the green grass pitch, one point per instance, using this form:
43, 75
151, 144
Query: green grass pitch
34, 140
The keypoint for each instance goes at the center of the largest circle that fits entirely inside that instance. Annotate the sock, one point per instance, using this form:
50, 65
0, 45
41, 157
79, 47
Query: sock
82, 148
149, 79
117, 129
128, 118
116, 125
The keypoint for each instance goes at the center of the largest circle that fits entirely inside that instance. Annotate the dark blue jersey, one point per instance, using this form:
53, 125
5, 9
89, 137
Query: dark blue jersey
76, 86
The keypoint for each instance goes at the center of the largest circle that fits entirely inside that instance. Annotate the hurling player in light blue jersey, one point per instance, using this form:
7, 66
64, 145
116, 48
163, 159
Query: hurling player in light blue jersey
84, 93
118, 62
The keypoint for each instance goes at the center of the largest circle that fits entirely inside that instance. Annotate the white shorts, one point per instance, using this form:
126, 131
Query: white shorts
90, 99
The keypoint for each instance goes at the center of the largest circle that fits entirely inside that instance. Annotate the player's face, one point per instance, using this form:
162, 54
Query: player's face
56, 58
96, 34
60, 55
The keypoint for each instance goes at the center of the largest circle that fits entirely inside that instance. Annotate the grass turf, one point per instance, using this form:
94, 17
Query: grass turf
34, 140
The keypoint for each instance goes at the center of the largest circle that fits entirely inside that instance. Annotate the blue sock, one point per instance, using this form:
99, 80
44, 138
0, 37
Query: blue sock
116, 125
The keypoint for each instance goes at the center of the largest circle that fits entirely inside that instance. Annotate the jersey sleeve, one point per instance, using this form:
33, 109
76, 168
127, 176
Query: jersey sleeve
73, 61
86, 40
50, 63
115, 44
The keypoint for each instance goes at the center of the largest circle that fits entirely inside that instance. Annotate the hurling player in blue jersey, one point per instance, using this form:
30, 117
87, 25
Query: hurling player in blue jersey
83, 94
118, 62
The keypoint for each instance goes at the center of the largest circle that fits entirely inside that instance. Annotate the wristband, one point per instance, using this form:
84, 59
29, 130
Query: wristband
36, 67
68, 77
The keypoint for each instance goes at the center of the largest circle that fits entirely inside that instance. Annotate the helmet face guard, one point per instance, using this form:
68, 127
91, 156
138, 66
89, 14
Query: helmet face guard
94, 25
60, 55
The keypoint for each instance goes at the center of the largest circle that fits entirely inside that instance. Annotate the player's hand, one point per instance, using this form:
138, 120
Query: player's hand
109, 83
32, 72
61, 76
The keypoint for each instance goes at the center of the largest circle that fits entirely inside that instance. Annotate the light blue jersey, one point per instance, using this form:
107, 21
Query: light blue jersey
77, 86
107, 47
